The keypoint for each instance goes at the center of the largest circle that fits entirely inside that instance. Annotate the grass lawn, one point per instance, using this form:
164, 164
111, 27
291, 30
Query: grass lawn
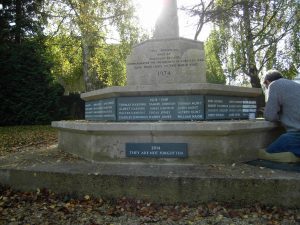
16, 138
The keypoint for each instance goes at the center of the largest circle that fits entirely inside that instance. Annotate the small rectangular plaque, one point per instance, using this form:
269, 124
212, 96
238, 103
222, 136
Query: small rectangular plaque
227, 107
104, 109
156, 150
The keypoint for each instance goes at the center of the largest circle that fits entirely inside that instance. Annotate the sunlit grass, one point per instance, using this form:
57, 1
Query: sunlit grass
13, 138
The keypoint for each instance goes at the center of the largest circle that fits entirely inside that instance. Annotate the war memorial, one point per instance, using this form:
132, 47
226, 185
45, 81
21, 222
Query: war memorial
167, 136
167, 111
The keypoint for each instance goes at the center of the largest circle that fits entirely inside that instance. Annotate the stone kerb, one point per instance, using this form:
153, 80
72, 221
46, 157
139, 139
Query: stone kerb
171, 89
165, 61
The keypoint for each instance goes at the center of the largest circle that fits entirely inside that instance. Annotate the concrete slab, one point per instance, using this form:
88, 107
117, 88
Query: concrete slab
167, 182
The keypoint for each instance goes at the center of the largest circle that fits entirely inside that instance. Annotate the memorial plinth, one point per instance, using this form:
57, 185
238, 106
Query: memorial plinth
124, 130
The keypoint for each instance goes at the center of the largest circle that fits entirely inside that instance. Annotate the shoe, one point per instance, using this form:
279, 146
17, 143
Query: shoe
284, 157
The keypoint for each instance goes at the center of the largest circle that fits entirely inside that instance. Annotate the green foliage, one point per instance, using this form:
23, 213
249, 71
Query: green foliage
290, 73
27, 93
66, 57
213, 49
86, 26
259, 35
110, 63
19, 19
258, 30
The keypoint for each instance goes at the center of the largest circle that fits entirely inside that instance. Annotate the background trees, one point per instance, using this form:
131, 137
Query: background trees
27, 93
256, 35
253, 36
83, 45
19, 19
89, 26
43, 43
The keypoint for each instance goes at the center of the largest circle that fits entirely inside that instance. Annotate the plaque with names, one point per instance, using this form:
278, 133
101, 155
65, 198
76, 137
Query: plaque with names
156, 150
227, 107
104, 110
156, 108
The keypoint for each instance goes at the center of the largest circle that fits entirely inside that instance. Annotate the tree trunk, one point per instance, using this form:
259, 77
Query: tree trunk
85, 60
251, 67
18, 21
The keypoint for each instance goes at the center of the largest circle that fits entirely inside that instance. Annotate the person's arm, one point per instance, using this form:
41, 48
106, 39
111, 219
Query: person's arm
273, 105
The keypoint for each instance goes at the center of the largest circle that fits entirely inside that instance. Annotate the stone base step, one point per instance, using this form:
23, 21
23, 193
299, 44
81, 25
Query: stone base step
159, 182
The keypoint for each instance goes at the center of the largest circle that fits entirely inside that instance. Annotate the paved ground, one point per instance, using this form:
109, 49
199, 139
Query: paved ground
53, 160
41, 206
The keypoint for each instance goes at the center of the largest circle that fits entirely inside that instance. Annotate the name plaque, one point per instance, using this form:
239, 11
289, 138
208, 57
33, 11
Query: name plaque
227, 107
156, 150
104, 109
155, 108
170, 108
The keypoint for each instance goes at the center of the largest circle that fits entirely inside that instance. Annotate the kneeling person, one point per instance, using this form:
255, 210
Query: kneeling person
283, 105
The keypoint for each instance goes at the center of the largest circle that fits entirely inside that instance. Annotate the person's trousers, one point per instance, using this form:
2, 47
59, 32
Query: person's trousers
288, 142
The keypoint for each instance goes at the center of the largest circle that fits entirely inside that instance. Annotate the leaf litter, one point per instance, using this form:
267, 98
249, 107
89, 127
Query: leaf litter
46, 207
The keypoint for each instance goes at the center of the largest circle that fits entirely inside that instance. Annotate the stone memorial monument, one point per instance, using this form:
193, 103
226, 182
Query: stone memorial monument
167, 111
167, 24
166, 59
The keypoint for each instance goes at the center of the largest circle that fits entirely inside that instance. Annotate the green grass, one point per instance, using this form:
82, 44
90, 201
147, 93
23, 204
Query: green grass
14, 138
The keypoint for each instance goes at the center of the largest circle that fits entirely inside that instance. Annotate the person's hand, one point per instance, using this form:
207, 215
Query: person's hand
261, 110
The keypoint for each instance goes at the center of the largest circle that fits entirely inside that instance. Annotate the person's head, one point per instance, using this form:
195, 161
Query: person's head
270, 76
